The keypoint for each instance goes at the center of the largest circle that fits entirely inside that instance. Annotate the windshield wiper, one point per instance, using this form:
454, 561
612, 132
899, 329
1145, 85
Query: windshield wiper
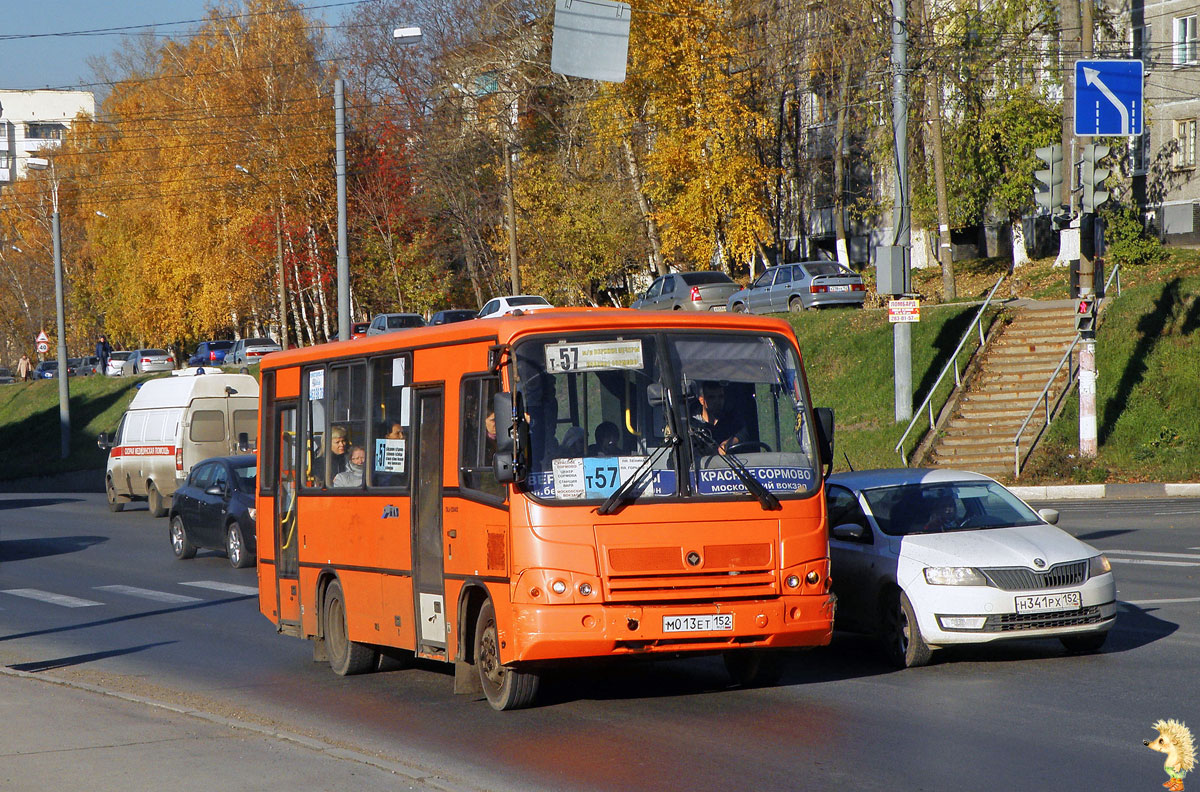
769, 501
617, 498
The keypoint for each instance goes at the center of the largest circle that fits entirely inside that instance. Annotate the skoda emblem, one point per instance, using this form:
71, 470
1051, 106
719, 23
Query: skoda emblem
693, 558
1040, 563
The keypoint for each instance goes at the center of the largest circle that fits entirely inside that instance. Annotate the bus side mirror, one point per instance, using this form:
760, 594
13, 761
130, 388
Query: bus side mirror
511, 461
825, 437
502, 466
503, 415
103, 442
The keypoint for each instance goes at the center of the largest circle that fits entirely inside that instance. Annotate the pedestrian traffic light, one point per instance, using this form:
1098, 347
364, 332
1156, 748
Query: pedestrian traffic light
1085, 317
1092, 177
1049, 179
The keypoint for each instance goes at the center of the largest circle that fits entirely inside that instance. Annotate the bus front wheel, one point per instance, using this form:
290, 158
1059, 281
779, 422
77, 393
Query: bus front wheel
346, 657
506, 688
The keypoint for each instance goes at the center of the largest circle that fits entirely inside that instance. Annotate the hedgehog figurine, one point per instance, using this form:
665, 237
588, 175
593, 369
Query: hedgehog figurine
1175, 740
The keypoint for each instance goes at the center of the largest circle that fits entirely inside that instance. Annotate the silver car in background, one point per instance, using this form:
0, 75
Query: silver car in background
707, 290
120, 364
249, 350
147, 360
804, 285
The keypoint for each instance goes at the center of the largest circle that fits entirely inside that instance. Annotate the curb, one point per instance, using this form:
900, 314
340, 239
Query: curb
1114, 491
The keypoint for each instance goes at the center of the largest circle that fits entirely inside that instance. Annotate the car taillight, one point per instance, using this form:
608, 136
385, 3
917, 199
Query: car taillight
178, 459
817, 289
695, 294
212, 355
857, 287
145, 360
170, 359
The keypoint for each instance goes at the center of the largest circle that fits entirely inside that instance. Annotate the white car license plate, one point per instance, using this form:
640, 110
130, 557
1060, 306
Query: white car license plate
720, 307
1050, 603
703, 622
839, 288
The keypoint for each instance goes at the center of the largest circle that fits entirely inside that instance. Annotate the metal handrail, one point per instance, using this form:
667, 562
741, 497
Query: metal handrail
953, 362
1044, 397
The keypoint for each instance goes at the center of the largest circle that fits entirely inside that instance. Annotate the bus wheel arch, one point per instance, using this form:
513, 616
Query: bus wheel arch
346, 657
507, 687
470, 603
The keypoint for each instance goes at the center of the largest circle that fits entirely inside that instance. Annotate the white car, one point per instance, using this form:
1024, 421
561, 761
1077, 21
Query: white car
931, 558
146, 360
503, 306
120, 364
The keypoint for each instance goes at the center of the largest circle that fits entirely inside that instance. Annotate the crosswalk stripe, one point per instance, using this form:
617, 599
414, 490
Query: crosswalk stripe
233, 588
150, 594
51, 598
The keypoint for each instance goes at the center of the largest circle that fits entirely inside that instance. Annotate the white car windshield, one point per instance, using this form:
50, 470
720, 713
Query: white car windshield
937, 507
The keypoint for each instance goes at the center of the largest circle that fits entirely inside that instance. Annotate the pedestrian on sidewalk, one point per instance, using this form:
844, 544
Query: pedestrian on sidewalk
103, 353
24, 367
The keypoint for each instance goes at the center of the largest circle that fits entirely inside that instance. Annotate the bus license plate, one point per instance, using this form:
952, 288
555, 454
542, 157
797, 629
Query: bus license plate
704, 622
1050, 603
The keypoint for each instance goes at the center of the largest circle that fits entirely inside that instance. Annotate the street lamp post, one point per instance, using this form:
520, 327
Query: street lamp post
64, 392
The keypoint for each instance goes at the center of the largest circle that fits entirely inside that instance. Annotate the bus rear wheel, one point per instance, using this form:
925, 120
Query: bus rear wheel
506, 688
346, 657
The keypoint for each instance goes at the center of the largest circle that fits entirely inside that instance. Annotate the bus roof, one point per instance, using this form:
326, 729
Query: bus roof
506, 329
179, 391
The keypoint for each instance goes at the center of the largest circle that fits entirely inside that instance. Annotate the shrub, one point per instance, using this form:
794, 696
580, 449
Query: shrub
1127, 241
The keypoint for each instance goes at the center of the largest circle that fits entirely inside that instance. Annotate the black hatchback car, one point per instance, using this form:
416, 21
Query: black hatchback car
215, 509
452, 315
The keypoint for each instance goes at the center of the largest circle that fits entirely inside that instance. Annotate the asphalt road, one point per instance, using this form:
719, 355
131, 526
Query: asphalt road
90, 595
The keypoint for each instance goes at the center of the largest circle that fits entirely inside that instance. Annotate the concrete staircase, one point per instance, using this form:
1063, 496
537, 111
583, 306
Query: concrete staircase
979, 432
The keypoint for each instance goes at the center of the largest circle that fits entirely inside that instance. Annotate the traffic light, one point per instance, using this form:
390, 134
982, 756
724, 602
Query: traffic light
1092, 177
1049, 179
1085, 317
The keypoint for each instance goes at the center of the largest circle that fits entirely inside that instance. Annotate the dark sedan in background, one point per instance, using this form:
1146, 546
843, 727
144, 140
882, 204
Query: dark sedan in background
708, 290
210, 353
452, 315
215, 509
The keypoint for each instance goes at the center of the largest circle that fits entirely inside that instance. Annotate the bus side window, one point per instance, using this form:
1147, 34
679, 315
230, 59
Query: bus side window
312, 463
387, 449
479, 437
346, 395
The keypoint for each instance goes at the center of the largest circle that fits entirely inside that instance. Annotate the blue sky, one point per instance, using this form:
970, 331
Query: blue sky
30, 58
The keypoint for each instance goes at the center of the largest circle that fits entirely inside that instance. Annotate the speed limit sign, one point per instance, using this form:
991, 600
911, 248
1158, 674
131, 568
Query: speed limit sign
43, 347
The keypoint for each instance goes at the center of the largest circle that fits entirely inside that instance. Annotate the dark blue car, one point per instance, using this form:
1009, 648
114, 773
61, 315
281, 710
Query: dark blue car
215, 509
210, 353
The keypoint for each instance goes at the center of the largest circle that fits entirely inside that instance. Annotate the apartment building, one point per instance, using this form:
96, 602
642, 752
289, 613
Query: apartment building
32, 121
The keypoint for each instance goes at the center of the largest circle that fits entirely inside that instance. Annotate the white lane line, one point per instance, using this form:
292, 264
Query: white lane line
1155, 553
54, 599
218, 586
150, 594
1153, 562
1139, 603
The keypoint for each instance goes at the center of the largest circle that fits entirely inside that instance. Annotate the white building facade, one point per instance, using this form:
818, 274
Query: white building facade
31, 121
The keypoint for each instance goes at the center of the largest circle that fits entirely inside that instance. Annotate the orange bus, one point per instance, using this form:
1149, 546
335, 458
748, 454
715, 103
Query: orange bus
507, 493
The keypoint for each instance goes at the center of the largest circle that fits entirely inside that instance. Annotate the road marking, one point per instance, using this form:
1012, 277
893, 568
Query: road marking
150, 594
1152, 562
218, 586
1139, 603
54, 599
1154, 553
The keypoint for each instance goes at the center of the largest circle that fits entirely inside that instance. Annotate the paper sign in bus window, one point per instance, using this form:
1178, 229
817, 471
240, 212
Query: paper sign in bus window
389, 455
594, 356
316, 384
398, 372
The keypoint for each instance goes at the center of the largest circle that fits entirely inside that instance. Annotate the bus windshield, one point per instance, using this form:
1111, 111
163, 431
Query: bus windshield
685, 414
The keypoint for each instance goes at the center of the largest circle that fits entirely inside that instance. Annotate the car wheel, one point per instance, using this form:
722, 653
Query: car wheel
754, 667
1084, 644
235, 547
902, 635
739, 308
795, 305
506, 688
115, 504
180, 542
158, 506
345, 656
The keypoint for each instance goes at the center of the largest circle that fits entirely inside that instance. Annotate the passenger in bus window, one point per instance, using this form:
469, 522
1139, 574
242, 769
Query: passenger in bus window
714, 429
337, 450
396, 432
352, 476
574, 443
607, 437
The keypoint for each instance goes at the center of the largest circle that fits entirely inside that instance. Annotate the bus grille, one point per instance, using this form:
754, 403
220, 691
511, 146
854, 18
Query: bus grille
695, 586
1021, 579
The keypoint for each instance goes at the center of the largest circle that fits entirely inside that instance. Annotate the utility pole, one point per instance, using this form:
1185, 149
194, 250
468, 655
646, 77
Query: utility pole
901, 331
343, 256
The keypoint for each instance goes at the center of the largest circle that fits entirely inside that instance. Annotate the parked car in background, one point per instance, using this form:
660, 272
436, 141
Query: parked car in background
214, 508
249, 350
933, 558
391, 322
452, 315
82, 367
46, 369
500, 306
6, 377
210, 353
120, 364
148, 360
359, 330
707, 290
804, 285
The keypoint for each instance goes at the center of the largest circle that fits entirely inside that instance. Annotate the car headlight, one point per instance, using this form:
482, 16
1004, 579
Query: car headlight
1098, 565
954, 576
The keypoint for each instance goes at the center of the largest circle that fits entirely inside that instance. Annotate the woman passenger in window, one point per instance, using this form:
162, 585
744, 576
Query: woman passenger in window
352, 476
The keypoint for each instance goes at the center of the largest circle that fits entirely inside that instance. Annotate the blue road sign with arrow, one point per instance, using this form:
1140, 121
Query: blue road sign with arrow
1108, 97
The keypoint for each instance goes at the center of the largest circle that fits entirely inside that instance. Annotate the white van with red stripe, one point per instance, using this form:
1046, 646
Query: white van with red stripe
171, 424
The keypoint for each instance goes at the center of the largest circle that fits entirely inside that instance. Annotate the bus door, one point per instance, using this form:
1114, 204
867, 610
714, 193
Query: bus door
287, 556
428, 571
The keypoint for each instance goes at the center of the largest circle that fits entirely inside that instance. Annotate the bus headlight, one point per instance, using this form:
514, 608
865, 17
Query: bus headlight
559, 587
792, 581
585, 589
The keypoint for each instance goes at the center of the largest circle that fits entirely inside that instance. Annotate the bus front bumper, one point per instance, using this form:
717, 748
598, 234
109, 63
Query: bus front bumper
547, 632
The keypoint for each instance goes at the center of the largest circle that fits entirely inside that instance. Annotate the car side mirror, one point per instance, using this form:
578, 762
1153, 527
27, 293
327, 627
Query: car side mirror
1049, 515
850, 532
103, 442
215, 489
